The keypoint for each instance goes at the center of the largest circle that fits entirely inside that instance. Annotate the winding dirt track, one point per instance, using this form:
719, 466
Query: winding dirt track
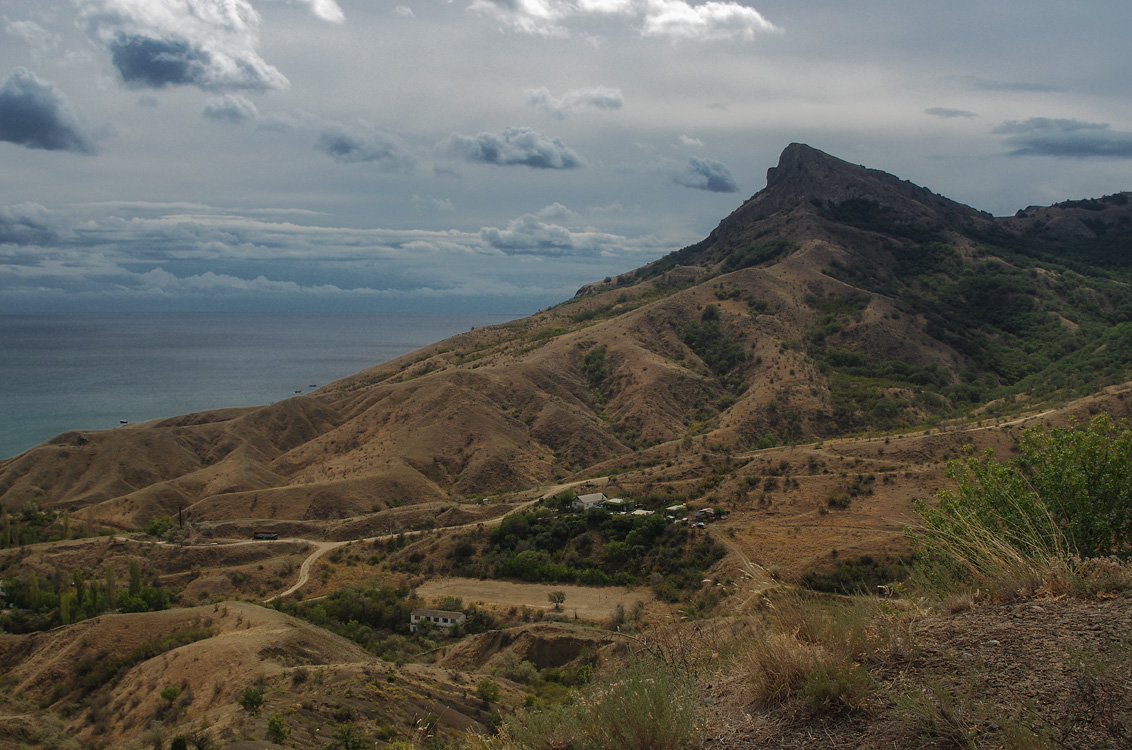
321, 548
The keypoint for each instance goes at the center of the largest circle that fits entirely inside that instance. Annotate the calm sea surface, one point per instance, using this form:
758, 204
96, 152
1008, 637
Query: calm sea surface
77, 372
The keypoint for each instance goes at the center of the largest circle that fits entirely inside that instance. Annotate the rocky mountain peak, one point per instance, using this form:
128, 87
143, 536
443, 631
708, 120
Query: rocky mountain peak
806, 176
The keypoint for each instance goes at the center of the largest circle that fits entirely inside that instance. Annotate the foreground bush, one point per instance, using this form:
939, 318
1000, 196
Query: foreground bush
818, 650
1017, 526
646, 706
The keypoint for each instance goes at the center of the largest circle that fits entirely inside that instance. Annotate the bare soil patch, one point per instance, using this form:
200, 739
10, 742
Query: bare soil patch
588, 602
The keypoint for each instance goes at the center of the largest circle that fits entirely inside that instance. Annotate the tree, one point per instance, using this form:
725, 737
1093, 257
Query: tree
349, 737
135, 578
277, 729
252, 699
33, 590
556, 598
488, 690
111, 595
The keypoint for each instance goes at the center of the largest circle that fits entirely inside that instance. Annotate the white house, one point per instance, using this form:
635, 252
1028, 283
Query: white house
585, 502
438, 617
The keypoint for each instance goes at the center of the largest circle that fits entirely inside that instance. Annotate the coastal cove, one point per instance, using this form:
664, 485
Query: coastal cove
82, 372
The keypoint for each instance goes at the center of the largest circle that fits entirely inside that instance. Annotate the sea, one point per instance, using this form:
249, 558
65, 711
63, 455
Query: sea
93, 372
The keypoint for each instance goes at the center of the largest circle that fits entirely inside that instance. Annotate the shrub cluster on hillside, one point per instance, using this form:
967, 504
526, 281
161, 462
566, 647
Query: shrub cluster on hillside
377, 618
1005, 310
593, 548
32, 525
40, 603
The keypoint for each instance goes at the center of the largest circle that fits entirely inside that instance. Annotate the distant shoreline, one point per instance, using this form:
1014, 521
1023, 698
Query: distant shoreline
62, 372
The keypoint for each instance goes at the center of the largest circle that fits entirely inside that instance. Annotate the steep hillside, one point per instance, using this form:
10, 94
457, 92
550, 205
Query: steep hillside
838, 300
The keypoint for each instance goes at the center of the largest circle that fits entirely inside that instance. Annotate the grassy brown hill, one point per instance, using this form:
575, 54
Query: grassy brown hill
839, 300
121, 679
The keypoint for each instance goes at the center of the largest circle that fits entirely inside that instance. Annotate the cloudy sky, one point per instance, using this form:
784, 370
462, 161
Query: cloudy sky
359, 155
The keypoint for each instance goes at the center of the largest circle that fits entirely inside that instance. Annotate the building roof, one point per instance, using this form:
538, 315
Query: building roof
593, 498
435, 613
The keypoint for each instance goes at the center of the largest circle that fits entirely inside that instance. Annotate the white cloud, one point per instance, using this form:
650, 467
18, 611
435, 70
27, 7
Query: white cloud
35, 36
29, 224
515, 146
230, 108
361, 144
191, 256
431, 204
575, 100
705, 22
326, 10
701, 174
687, 140
676, 19
211, 44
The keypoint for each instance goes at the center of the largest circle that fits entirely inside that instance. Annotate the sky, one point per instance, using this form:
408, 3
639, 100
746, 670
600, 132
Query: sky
496, 155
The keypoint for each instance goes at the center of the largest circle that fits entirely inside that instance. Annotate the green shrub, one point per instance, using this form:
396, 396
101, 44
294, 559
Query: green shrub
158, 525
277, 729
712, 344
349, 737
859, 575
252, 699
1015, 526
646, 706
488, 690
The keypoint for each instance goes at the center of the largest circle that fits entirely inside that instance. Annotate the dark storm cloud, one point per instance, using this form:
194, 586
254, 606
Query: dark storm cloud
1065, 138
230, 108
156, 63
516, 146
948, 113
362, 145
33, 113
702, 174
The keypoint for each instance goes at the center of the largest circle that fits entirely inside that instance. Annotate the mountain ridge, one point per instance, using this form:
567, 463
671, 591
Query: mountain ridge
837, 300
